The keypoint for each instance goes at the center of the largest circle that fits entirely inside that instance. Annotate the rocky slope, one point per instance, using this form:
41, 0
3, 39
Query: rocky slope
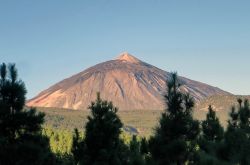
127, 81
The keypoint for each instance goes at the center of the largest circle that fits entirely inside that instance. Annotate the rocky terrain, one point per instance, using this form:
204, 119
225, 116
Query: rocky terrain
128, 82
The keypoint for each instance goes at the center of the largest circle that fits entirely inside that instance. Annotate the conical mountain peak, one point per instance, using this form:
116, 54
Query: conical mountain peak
131, 85
126, 57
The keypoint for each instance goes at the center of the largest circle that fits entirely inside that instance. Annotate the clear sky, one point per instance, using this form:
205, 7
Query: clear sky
204, 40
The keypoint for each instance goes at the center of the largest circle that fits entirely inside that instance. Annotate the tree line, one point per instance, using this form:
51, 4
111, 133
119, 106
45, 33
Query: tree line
177, 140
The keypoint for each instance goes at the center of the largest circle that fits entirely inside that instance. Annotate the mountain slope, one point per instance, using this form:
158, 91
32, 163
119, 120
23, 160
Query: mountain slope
127, 81
222, 104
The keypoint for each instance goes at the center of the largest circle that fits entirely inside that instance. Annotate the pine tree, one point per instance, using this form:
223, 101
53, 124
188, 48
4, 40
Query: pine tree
211, 127
211, 139
236, 147
102, 144
212, 132
21, 141
136, 157
174, 141
144, 146
77, 147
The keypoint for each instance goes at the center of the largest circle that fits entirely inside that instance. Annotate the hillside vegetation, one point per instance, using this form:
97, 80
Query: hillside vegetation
140, 122
221, 104
176, 136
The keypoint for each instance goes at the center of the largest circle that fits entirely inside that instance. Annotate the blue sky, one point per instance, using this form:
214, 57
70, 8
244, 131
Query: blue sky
205, 40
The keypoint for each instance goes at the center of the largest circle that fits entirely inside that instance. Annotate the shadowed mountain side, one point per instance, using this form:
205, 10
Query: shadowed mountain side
126, 81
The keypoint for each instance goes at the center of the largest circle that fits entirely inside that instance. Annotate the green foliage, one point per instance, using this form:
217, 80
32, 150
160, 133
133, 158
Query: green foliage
210, 140
60, 140
144, 146
77, 146
174, 139
236, 147
138, 122
204, 158
126, 137
102, 143
135, 154
211, 127
21, 140
212, 133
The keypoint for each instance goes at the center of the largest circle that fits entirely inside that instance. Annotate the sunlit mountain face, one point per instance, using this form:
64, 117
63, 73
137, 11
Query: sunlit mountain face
128, 82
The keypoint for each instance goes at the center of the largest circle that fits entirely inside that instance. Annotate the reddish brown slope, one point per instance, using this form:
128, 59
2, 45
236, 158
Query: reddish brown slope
130, 83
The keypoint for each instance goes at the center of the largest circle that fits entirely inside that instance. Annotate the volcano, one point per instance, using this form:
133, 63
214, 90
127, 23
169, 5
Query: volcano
128, 82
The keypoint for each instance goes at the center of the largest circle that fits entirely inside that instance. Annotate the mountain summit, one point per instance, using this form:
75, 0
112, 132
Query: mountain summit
127, 81
126, 57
